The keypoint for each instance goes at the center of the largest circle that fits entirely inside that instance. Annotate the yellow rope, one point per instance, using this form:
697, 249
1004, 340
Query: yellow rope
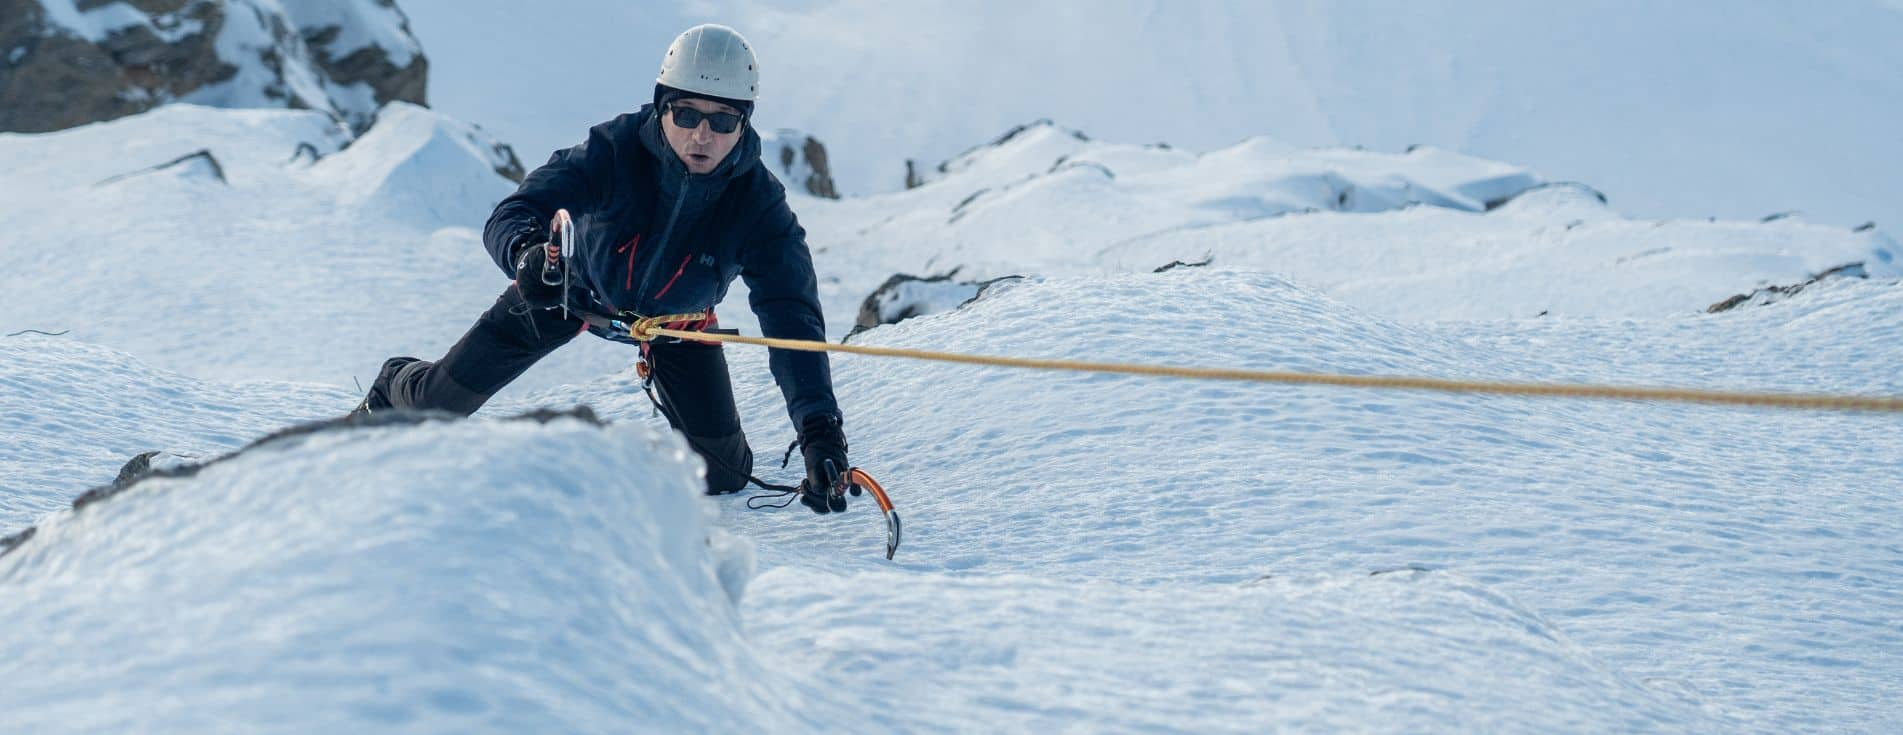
647, 329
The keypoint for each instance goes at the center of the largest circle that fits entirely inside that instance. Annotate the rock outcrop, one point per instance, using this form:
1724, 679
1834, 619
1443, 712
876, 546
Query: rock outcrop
1775, 293
800, 161
904, 296
65, 63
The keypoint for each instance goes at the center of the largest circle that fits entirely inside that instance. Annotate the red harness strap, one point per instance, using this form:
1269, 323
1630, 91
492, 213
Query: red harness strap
711, 321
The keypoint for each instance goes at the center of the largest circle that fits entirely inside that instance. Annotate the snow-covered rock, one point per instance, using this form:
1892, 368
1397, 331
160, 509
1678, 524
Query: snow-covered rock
1425, 235
445, 577
800, 161
904, 296
1557, 251
418, 166
71, 62
364, 54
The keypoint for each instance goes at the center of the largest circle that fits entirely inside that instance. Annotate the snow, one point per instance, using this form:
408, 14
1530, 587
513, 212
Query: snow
360, 24
272, 66
1731, 561
104, 21
922, 296
1325, 653
72, 413
255, 595
1090, 552
1083, 552
293, 271
419, 165
1427, 234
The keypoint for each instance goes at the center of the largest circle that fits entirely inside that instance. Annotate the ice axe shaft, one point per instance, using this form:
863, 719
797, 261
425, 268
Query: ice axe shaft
561, 247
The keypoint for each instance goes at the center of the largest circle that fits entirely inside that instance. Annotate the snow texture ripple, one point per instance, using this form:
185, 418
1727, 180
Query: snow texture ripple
1084, 552
471, 576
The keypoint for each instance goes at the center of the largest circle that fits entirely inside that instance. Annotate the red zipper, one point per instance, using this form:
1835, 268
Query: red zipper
677, 275
630, 246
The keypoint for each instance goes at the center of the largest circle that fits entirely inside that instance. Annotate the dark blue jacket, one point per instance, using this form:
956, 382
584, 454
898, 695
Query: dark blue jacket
652, 239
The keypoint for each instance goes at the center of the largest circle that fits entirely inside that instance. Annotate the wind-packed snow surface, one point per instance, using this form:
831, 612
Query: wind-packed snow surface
1082, 552
391, 579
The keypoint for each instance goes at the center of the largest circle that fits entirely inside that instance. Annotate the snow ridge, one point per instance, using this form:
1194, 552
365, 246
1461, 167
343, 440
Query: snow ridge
445, 577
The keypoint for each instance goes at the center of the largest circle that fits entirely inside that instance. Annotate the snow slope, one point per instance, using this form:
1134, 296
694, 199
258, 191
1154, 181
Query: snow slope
1083, 552
288, 251
499, 577
1691, 109
1731, 560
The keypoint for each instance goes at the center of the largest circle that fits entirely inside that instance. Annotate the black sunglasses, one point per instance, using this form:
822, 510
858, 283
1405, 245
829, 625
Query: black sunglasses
689, 118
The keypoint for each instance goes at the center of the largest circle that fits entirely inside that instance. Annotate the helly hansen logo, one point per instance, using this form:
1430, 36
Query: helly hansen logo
707, 260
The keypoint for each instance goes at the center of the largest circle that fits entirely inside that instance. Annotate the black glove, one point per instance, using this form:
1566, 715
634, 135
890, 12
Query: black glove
823, 444
531, 262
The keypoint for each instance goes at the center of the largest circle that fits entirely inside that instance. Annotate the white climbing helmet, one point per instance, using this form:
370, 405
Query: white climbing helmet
713, 60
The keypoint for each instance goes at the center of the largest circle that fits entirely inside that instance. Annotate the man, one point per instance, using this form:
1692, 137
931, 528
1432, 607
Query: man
667, 206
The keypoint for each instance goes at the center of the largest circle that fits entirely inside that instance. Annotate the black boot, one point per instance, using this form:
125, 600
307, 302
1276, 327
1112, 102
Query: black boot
378, 398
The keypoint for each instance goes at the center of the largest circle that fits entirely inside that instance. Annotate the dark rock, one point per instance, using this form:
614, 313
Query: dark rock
912, 178
51, 78
1174, 264
511, 167
59, 80
306, 153
1503, 201
803, 161
820, 182
201, 156
135, 468
1063, 163
370, 65
11, 542
885, 305
1772, 294
959, 209
1008, 135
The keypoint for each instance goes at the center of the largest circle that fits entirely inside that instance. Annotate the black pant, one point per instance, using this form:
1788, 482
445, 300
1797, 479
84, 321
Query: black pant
690, 377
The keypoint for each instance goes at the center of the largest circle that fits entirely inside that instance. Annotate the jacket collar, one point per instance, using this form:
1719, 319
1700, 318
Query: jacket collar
744, 156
